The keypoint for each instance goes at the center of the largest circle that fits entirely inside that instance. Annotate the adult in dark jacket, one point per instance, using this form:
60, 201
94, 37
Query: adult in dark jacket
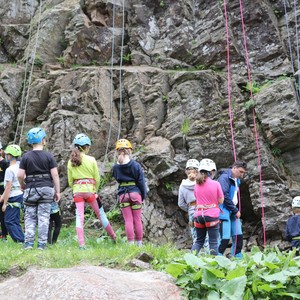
230, 215
293, 225
131, 192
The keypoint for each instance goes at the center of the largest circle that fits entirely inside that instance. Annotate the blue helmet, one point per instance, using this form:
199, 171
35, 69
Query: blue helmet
82, 139
35, 135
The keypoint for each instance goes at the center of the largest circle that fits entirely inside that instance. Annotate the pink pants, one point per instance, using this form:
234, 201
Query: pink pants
132, 217
90, 198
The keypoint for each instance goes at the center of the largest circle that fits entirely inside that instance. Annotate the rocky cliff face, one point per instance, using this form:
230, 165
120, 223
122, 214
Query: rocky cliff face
155, 72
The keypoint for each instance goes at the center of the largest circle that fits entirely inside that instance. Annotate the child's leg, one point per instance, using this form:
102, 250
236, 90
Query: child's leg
80, 222
237, 237
50, 229
128, 217
12, 222
136, 208
2, 222
103, 218
30, 223
57, 226
43, 216
225, 232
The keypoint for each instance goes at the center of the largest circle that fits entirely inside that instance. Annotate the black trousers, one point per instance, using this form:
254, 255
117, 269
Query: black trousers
3, 227
55, 226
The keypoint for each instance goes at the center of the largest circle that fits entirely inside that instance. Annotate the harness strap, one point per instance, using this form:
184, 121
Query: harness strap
85, 181
124, 204
206, 224
129, 183
201, 207
296, 238
39, 176
14, 204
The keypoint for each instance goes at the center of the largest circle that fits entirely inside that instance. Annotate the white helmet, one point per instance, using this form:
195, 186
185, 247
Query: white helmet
207, 165
192, 163
296, 202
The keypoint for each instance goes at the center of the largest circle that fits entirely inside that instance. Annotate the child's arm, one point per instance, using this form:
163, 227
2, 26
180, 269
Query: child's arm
5, 195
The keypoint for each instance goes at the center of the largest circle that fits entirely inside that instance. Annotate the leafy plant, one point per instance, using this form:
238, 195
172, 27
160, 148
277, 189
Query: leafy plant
127, 57
104, 180
249, 104
165, 98
169, 186
185, 126
38, 61
162, 4
259, 275
61, 60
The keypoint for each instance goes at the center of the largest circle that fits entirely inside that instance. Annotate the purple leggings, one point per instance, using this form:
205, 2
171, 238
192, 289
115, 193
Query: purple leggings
132, 216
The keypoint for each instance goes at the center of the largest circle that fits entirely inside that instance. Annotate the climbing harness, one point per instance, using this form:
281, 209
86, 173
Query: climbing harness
206, 224
208, 206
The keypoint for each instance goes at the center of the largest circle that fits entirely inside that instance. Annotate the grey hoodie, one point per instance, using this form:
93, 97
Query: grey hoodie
186, 194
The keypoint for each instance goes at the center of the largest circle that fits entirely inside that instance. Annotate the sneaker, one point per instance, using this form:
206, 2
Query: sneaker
41, 246
27, 246
82, 247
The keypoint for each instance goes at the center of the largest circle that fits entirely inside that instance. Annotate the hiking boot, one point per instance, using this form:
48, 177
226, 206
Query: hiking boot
41, 246
27, 246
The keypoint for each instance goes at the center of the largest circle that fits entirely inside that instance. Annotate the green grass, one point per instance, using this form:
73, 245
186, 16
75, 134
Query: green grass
65, 253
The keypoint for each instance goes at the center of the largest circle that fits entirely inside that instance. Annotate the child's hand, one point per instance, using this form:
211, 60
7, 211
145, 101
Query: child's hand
3, 207
1, 199
192, 177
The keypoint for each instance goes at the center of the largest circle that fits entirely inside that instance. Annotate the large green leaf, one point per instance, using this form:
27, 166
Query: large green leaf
294, 296
194, 261
213, 295
217, 272
224, 262
271, 266
234, 289
209, 279
175, 269
238, 272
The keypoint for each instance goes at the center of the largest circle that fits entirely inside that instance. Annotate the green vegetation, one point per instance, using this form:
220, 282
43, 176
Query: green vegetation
38, 61
259, 275
168, 186
65, 253
105, 179
162, 4
127, 58
61, 60
270, 274
185, 127
165, 98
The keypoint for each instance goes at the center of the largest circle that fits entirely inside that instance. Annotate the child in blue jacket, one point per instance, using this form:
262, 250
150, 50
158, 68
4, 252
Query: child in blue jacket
293, 225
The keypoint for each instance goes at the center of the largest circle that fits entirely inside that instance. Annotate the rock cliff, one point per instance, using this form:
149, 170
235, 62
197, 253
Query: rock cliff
155, 72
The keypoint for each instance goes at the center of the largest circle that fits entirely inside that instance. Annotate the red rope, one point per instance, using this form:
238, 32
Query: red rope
255, 127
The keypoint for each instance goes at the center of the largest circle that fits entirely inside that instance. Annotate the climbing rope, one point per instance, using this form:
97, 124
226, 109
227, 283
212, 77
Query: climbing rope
296, 84
24, 105
255, 126
111, 90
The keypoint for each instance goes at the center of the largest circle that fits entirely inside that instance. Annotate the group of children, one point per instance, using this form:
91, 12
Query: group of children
213, 208
32, 182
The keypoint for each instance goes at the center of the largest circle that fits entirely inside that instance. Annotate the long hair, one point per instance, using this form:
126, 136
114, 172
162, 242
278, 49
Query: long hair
201, 177
121, 157
75, 156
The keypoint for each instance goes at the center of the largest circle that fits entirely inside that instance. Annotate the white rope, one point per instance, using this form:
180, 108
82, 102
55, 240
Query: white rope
111, 91
31, 71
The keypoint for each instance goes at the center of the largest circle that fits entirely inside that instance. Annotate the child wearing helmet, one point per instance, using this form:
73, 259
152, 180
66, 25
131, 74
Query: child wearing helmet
131, 192
293, 225
84, 179
38, 177
3, 166
12, 197
186, 196
209, 195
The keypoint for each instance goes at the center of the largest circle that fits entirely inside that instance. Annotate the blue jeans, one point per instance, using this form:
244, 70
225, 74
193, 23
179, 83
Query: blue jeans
12, 219
213, 234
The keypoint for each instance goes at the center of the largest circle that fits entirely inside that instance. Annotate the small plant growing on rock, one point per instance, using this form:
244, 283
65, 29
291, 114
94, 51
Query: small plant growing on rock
185, 127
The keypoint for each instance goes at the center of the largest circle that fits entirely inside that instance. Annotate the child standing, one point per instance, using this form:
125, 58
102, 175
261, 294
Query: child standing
293, 225
208, 195
186, 196
3, 166
12, 197
40, 189
131, 192
55, 221
84, 179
